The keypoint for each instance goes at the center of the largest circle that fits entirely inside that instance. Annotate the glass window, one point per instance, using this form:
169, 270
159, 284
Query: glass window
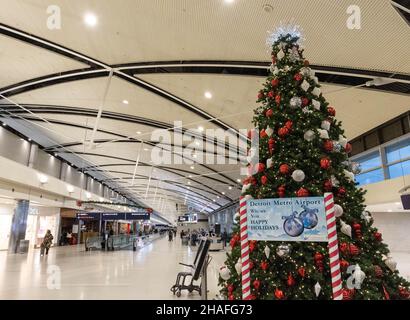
399, 169
371, 140
370, 177
392, 131
370, 161
398, 151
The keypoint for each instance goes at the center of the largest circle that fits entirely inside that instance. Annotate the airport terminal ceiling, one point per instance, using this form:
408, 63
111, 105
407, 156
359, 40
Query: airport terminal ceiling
94, 93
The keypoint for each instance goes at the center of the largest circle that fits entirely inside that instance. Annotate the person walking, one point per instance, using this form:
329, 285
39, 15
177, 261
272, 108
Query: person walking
46, 244
170, 235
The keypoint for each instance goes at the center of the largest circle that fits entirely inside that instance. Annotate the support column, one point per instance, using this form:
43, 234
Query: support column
33, 155
18, 225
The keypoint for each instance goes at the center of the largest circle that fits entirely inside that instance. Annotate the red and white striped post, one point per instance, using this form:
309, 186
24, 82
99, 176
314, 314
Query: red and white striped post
333, 247
246, 274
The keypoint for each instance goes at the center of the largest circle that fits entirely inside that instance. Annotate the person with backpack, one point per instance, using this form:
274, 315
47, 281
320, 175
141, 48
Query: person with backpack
47, 242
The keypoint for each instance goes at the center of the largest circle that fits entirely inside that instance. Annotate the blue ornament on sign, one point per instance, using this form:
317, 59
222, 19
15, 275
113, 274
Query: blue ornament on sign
293, 225
309, 217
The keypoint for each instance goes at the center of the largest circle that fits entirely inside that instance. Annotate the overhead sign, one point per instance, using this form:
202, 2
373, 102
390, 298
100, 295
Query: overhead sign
88, 215
137, 215
287, 219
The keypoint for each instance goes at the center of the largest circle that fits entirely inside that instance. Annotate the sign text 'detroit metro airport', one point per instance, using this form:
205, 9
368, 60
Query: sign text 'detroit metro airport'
287, 219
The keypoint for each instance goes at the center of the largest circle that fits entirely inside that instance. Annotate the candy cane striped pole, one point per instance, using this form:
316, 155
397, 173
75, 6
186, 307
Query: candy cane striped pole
246, 274
333, 247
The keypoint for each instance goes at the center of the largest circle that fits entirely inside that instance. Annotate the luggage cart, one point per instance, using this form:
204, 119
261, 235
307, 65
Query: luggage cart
199, 268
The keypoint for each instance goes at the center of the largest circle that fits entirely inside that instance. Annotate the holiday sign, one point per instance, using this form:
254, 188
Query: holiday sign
287, 219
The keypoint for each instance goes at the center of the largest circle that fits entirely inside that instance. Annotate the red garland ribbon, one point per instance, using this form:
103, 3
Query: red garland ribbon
386, 294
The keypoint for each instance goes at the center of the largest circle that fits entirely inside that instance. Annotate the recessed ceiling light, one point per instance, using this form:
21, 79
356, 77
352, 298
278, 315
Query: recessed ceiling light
223, 192
194, 155
192, 167
230, 188
208, 95
29, 139
145, 149
4, 125
390, 210
90, 19
267, 8
189, 182
239, 180
201, 129
190, 176
138, 132
397, 203
197, 143
214, 200
125, 101
217, 197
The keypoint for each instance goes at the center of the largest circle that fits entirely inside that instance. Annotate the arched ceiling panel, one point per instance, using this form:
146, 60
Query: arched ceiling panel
149, 30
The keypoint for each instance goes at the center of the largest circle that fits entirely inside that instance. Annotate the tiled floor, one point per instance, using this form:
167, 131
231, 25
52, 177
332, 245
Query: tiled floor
145, 274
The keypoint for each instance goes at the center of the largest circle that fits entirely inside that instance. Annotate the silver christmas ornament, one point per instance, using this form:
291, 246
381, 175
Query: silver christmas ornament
390, 263
295, 102
316, 104
224, 273
337, 147
334, 180
236, 218
283, 250
267, 252
355, 167
358, 278
367, 216
305, 85
323, 133
348, 174
338, 210
280, 55
269, 163
345, 228
309, 135
298, 175
238, 266
269, 131
316, 91
342, 141
325, 125
318, 288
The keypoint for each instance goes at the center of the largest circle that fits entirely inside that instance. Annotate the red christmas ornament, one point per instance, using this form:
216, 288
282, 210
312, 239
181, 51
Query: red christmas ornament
264, 180
386, 293
289, 124
302, 272
377, 236
341, 192
318, 257
378, 272
290, 281
354, 250
327, 185
279, 294
232, 242
305, 101
283, 132
263, 134
231, 297
357, 230
269, 113
271, 94
252, 245
297, 77
271, 145
344, 264
331, 111
264, 265
404, 293
273, 59
284, 169
251, 264
261, 95
230, 288
256, 284
281, 191
277, 99
348, 294
302, 192
328, 145
253, 181
260, 167
274, 82
348, 148
325, 163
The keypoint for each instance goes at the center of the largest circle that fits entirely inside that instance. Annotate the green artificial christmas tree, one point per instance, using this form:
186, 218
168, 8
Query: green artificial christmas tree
303, 152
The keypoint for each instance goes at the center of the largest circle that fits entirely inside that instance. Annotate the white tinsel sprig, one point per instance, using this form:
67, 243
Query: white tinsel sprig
292, 29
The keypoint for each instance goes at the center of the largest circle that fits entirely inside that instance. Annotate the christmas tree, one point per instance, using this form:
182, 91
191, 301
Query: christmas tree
303, 152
